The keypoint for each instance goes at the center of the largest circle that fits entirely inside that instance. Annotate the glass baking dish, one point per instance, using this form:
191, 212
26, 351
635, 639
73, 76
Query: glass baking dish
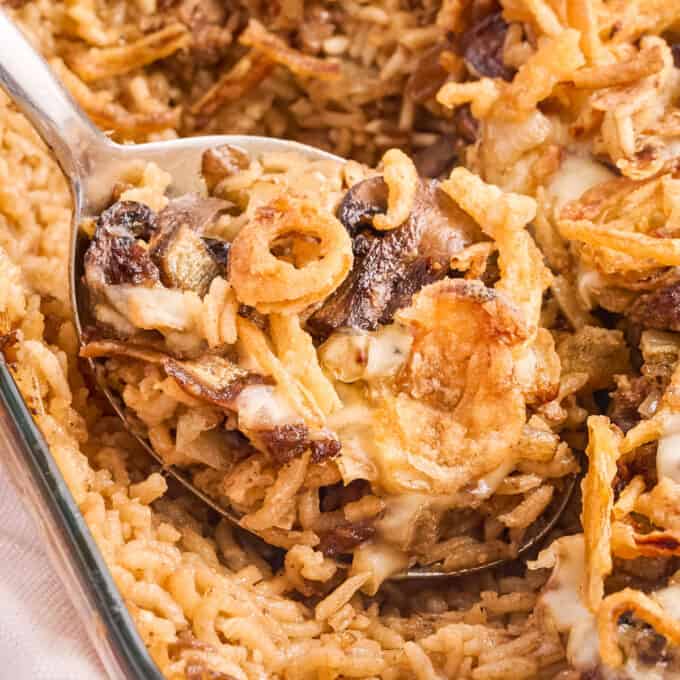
69, 543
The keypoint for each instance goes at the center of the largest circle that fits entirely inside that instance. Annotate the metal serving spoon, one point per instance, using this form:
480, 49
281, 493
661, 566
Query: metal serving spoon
92, 164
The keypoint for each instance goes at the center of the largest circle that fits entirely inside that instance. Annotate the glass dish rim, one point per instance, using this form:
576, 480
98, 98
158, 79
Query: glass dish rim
83, 570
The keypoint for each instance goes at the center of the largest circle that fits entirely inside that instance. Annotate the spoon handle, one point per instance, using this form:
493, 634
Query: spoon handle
30, 82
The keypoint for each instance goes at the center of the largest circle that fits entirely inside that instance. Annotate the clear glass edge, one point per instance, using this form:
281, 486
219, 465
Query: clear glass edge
68, 540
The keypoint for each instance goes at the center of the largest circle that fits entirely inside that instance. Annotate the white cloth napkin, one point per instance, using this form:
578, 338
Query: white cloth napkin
41, 634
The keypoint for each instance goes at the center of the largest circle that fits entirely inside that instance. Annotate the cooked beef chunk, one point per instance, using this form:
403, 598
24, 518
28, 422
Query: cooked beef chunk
630, 392
285, 442
659, 309
324, 449
115, 255
389, 267
212, 378
482, 48
344, 538
337, 495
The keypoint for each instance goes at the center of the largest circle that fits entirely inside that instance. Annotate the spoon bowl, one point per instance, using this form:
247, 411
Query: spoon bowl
93, 164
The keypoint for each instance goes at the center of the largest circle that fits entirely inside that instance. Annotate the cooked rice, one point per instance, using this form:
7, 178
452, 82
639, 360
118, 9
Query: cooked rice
564, 98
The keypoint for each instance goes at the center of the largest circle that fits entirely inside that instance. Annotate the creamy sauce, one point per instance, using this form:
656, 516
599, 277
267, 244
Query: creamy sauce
669, 599
562, 597
668, 451
155, 308
380, 560
575, 176
260, 407
354, 426
350, 357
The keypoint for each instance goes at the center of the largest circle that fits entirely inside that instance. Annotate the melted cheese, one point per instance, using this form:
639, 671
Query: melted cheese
380, 560
354, 426
575, 176
668, 451
669, 599
350, 357
261, 407
562, 597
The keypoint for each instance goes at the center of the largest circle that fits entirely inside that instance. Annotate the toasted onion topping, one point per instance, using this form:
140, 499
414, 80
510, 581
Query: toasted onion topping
257, 36
270, 284
98, 63
642, 606
402, 182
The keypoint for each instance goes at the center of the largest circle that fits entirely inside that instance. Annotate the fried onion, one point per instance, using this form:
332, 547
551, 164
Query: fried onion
643, 607
598, 501
401, 178
97, 63
270, 284
275, 49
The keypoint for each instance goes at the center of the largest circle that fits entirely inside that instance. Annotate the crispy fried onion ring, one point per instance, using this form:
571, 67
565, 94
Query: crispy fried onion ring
272, 285
401, 177
598, 501
643, 607
460, 411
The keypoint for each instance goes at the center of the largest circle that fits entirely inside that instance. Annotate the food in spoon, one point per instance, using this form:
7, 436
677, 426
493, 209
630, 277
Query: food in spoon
370, 393
465, 328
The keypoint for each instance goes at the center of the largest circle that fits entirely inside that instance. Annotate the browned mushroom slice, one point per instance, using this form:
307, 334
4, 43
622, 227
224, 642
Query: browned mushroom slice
185, 261
106, 348
361, 203
390, 267
212, 378
182, 256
